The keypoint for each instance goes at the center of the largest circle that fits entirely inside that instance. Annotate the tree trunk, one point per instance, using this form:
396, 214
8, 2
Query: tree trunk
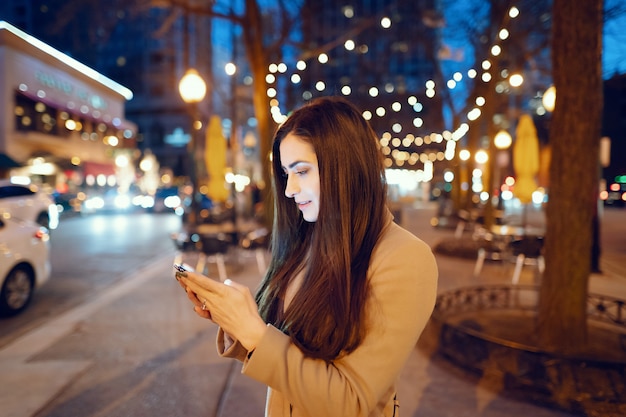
574, 137
257, 57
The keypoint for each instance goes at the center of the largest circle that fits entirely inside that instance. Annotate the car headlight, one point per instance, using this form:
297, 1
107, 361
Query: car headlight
94, 203
53, 215
122, 201
172, 201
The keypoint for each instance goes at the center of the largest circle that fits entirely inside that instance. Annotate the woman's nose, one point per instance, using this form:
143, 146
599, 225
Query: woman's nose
291, 189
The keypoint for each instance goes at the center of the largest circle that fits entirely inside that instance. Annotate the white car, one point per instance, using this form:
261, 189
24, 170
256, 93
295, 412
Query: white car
26, 201
24, 262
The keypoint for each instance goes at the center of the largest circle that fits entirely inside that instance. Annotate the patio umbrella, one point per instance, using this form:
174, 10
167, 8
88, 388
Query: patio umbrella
215, 159
525, 161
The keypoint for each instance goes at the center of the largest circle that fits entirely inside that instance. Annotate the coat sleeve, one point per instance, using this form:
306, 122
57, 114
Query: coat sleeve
228, 347
403, 277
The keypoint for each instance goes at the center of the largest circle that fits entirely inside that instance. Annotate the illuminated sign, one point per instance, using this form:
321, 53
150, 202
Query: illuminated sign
50, 81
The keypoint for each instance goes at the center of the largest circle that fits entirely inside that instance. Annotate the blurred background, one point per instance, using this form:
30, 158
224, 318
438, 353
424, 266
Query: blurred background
159, 115
170, 105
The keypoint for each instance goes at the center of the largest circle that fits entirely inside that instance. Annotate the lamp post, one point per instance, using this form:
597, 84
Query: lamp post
231, 69
192, 89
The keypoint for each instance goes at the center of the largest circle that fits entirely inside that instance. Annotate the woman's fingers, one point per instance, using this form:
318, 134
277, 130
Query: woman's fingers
199, 306
197, 281
193, 297
201, 291
229, 304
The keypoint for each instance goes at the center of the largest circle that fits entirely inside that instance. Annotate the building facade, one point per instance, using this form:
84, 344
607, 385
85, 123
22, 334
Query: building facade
63, 121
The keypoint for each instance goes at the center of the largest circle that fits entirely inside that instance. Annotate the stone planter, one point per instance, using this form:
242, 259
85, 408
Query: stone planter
488, 330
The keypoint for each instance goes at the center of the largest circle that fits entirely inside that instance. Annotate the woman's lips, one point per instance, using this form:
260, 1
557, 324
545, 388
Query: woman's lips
302, 205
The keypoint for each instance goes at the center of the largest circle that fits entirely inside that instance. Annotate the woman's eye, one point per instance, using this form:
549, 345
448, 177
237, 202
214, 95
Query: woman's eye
301, 172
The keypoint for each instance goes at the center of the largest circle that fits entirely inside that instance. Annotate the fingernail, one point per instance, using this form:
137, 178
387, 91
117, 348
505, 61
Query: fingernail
227, 281
181, 274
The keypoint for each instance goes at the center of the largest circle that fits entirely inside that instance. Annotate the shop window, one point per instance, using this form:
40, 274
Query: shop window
35, 116
156, 135
157, 90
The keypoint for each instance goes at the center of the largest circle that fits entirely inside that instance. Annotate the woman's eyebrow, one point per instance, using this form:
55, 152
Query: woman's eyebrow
293, 164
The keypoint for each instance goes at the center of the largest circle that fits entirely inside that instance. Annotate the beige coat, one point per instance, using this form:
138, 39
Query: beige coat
403, 275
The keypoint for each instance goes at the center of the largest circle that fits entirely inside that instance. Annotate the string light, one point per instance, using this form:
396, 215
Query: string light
430, 91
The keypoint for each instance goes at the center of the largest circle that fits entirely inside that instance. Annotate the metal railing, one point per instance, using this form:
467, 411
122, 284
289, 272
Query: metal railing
591, 386
600, 308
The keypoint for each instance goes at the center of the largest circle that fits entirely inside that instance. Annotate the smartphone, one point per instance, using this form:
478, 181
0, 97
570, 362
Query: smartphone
183, 268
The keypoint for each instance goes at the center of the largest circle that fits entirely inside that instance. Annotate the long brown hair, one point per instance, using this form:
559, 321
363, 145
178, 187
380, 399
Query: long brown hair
326, 316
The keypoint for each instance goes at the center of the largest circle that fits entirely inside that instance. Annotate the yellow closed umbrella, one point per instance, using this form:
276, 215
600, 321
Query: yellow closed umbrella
215, 158
525, 159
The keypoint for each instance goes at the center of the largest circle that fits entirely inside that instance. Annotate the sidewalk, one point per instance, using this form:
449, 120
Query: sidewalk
138, 350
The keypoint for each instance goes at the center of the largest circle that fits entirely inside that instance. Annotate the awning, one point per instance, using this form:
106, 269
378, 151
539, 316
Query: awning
7, 162
96, 168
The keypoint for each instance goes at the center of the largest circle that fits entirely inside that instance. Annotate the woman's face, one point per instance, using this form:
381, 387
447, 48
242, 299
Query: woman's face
299, 163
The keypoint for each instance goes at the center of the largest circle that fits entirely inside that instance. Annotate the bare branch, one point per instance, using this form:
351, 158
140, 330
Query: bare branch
200, 8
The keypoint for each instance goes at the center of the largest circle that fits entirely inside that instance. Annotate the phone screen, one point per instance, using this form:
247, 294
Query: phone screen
183, 268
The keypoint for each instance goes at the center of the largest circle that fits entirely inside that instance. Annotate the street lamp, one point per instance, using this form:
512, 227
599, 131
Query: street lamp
192, 89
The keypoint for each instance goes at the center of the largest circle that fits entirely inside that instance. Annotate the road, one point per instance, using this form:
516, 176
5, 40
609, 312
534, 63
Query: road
89, 254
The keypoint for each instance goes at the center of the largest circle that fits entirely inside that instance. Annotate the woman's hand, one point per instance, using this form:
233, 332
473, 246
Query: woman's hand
228, 304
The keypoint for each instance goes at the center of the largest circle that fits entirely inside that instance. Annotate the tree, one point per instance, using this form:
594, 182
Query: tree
262, 43
574, 136
475, 27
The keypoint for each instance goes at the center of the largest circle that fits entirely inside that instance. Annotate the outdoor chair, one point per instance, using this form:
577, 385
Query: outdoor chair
258, 241
491, 247
213, 247
527, 250
208, 247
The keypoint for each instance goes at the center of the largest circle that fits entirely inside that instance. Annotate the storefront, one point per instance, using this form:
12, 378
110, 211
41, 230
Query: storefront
59, 118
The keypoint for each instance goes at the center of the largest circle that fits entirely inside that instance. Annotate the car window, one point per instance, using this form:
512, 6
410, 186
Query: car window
15, 191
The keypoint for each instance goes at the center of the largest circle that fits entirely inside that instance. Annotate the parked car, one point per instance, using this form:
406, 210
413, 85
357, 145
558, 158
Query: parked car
28, 202
24, 262
69, 203
110, 201
167, 199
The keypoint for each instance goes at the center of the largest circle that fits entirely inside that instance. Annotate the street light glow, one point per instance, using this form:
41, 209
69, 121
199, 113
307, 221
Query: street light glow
515, 80
481, 157
502, 140
192, 87
549, 99
230, 68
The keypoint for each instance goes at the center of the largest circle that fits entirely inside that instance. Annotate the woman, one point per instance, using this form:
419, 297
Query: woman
347, 292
